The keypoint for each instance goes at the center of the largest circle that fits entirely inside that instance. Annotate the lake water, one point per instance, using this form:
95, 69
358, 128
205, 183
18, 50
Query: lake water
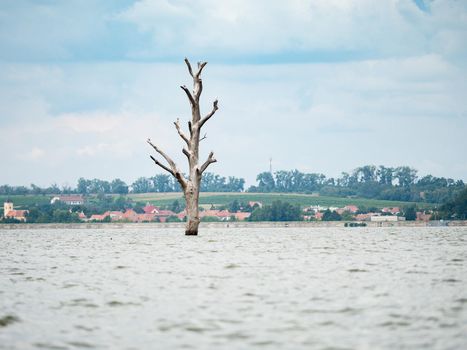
287, 288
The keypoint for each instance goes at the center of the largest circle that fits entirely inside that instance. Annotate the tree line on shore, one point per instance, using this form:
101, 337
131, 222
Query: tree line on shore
399, 184
455, 209
388, 183
59, 212
158, 183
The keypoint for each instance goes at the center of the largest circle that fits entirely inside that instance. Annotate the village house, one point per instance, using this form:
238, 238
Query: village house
258, 204
147, 218
386, 218
158, 213
10, 213
150, 215
317, 211
241, 216
319, 215
68, 199
155, 214
164, 214
150, 209
351, 208
114, 215
393, 211
130, 215
365, 217
223, 215
314, 209
97, 217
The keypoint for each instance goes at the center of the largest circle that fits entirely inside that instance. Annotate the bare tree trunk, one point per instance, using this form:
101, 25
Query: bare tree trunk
190, 186
192, 200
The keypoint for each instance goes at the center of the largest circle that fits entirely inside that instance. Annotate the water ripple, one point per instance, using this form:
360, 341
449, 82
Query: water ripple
281, 288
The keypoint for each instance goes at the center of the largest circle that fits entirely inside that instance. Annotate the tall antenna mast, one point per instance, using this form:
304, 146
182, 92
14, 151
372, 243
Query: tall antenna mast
270, 165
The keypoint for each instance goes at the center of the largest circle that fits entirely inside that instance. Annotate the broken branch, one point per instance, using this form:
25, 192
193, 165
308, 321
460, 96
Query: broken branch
186, 152
207, 117
201, 65
180, 132
162, 165
188, 93
210, 160
169, 160
189, 66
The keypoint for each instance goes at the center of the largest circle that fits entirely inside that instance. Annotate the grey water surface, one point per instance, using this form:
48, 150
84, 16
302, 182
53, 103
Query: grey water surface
252, 288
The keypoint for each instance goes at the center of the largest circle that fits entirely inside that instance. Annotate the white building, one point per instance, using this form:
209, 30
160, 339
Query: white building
68, 199
385, 218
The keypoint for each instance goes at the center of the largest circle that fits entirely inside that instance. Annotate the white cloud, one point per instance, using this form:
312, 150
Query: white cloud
313, 30
115, 150
367, 28
323, 117
35, 154
400, 102
93, 122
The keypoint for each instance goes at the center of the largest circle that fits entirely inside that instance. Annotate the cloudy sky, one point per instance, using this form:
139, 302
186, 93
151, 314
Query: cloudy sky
316, 85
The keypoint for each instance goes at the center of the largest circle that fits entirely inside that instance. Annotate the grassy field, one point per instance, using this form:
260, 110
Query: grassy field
219, 198
22, 200
208, 198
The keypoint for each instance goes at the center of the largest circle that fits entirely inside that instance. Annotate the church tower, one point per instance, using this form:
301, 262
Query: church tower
7, 207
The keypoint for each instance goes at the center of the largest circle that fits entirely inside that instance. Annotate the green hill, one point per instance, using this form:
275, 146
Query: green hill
223, 198
268, 198
25, 200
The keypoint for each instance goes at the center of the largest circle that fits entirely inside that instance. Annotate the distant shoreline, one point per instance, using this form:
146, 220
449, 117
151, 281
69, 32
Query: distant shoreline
237, 224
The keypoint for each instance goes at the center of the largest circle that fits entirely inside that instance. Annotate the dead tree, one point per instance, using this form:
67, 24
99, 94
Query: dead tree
190, 186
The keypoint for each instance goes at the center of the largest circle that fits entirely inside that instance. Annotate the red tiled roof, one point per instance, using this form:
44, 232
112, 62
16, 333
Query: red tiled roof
217, 213
150, 209
129, 213
224, 214
16, 213
209, 213
146, 217
363, 217
98, 217
241, 216
117, 215
395, 210
351, 208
